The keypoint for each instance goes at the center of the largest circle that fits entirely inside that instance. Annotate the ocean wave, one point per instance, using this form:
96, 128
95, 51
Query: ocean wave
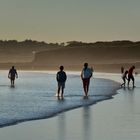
34, 96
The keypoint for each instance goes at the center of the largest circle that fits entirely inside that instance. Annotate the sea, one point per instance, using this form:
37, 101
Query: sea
34, 95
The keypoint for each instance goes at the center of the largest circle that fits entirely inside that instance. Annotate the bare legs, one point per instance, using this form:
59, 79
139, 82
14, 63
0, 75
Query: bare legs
133, 81
12, 82
86, 86
58, 92
124, 81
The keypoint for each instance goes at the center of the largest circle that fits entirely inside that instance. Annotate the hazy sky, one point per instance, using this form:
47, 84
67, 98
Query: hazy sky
67, 20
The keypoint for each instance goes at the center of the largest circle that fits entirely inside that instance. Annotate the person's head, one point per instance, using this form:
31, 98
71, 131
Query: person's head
126, 71
61, 68
85, 65
133, 67
13, 67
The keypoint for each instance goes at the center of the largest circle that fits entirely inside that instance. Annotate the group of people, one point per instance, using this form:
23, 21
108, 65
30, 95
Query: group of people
61, 78
86, 74
128, 75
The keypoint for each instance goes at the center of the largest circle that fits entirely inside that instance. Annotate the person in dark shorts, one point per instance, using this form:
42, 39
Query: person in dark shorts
61, 78
86, 74
130, 76
12, 75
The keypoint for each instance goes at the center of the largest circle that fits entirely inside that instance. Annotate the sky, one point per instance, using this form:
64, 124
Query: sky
70, 20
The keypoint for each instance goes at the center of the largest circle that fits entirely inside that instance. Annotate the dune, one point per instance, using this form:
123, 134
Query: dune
102, 59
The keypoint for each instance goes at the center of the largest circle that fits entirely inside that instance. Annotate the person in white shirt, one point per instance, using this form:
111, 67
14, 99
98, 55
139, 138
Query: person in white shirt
86, 74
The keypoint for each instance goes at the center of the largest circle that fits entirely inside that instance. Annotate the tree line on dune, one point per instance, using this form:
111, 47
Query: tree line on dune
34, 43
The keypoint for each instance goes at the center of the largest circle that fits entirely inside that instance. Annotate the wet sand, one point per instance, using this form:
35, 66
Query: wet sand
115, 119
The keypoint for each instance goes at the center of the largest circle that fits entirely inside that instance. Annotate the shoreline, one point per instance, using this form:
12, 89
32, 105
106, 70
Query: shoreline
105, 98
22, 122
54, 71
101, 121
97, 94
48, 129
103, 68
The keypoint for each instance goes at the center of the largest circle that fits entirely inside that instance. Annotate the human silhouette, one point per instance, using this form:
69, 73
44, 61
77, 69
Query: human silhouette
12, 75
130, 76
61, 78
124, 77
86, 74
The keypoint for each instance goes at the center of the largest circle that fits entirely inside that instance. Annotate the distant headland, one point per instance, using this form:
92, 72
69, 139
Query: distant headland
104, 56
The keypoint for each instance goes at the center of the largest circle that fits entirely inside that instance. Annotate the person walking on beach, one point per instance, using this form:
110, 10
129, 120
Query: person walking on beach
124, 77
61, 78
12, 75
130, 76
86, 74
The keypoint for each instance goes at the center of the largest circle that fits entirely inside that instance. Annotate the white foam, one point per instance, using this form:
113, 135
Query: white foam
34, 96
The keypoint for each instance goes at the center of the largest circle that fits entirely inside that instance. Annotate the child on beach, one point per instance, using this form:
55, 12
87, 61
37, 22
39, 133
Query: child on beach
61, 78
124, 77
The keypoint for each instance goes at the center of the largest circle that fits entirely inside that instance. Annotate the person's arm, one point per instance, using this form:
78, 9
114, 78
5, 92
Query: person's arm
82, 74
65, 76
91, 73
126, 77
90, 76
9, 74
57, 76
16, 74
